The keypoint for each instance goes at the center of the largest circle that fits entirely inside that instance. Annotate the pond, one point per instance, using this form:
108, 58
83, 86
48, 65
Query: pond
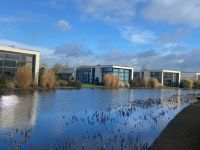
87, 119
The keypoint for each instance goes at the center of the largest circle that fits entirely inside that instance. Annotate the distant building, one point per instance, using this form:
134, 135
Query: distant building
83, 74
95, 74
12, 58
66, 73
98, 72
194, 76
165, 77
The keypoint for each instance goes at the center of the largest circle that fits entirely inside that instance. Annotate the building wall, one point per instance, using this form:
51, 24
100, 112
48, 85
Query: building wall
99, 71
190, 76
83, 75
12, 58
165, 77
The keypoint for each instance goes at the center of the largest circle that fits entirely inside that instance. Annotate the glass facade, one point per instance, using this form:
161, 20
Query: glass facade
198, 77
9, 62
157, 75
137, 75
170, 79
124, 74
83, 75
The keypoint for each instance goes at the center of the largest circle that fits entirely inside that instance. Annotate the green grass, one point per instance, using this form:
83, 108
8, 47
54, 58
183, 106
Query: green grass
172, 88
92, 86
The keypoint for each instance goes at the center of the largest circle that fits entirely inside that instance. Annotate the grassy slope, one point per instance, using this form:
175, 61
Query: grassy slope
92, 86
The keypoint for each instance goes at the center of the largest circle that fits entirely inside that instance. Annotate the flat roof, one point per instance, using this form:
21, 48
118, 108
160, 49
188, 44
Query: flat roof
191, 72
18, 50
160, 70
114, 66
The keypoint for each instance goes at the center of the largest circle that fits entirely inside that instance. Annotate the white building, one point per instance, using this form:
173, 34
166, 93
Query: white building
194, 76
165, 77
12, 58
66, 73
95, 74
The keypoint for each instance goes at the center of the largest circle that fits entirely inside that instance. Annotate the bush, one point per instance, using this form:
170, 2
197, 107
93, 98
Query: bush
2, 82
62, 83
24, 77
47, 78
51, 82
196, 84
146, 82
187, 84
43, 78
10, 84
139, 82
74, 83
153, 83
112, 81
132, 83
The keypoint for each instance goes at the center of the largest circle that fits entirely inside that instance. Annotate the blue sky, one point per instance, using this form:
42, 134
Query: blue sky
155, 33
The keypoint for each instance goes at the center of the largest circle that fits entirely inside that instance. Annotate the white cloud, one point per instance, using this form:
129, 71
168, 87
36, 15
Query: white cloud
109, 11
27, 17
63, 25
4, 19
53, 3
173, 11
137, 35
45, 52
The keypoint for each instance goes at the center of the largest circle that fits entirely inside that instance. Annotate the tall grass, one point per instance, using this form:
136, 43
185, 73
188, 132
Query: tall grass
24, 76
145, 82
112, 81
186, 84
47, 78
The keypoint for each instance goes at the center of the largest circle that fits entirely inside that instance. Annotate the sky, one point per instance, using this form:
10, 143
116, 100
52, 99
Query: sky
157, 34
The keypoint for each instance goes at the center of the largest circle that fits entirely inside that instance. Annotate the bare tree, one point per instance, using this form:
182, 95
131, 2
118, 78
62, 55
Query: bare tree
57, 67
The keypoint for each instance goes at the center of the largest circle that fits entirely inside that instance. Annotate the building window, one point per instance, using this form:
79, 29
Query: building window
9, 62
157, 75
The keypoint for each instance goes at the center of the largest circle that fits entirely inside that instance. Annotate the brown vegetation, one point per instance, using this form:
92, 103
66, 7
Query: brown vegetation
153, 83
51, 79
187, 84
112, 81
43, 78
9, 84
146, 82
47, 78
57, 68
24, 76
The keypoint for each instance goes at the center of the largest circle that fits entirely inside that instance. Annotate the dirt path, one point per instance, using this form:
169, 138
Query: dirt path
183, 132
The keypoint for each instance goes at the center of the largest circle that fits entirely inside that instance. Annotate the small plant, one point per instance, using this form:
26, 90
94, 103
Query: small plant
2, 82
196, 84
74, 83
10, 84
186, 84
153, 83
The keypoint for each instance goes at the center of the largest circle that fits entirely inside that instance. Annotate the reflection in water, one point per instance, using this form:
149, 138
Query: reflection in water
18, 110
87, 118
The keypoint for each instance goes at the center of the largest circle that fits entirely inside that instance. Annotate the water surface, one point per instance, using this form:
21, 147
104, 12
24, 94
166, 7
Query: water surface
87, 118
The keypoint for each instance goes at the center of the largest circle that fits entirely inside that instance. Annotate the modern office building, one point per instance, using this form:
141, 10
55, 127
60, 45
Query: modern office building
83, 74
194, 76
98, 72
95, 74
12, 58
165, 77
66, 73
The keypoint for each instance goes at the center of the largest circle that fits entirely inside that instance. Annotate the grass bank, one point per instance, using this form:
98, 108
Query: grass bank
92, 86
183, 132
